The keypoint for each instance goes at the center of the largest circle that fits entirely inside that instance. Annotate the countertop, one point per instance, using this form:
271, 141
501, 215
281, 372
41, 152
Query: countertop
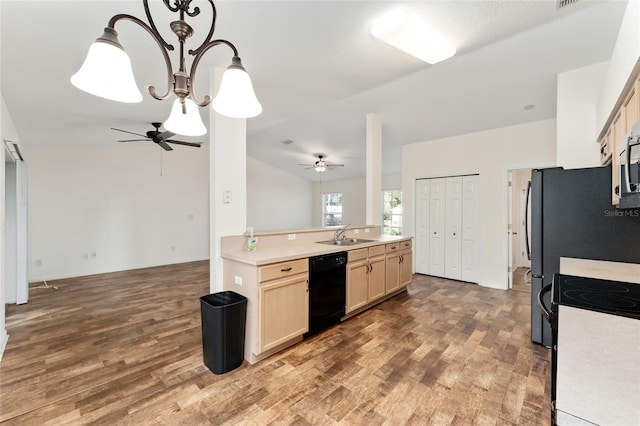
296, 250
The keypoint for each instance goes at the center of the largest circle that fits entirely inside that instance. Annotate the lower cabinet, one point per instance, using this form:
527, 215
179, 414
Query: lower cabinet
365, 276
398, 265
283, 306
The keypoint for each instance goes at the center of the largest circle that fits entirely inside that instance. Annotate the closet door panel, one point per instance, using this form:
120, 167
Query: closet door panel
437, 226
453, 231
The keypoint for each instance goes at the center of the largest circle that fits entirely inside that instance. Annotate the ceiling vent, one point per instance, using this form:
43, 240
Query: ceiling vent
286, 142
564, 3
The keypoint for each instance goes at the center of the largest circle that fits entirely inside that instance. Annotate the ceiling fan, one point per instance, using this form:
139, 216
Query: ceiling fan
321, 165
158, 137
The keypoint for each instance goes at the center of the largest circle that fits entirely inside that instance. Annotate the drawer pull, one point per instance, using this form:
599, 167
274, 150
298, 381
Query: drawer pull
286, 270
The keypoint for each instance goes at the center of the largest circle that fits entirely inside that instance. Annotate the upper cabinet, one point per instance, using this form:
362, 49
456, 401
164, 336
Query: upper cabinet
612, 137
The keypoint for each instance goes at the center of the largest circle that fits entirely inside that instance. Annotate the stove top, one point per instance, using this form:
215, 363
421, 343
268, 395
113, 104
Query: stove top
609, 297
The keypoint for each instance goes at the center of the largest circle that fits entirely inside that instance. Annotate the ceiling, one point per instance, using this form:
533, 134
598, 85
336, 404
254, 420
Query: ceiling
316, 70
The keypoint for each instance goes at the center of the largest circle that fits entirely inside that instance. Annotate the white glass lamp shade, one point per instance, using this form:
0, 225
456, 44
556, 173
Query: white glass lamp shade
186, 124
236, 97
106, 72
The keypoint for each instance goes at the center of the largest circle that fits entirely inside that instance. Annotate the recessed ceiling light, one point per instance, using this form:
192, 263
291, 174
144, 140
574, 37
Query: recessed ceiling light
409, 34
530, 106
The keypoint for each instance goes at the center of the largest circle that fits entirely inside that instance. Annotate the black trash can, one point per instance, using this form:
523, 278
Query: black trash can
223, 323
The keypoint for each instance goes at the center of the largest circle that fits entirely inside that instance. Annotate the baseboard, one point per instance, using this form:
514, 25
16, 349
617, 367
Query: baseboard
3, 342
494, 286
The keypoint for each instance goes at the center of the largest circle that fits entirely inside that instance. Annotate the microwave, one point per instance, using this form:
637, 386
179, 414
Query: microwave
629, 173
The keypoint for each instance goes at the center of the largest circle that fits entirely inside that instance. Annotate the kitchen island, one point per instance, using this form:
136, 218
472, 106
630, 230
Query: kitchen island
275, 277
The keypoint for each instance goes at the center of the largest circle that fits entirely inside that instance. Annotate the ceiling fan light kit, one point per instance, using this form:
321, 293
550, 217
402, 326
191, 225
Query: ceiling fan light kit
320, 165
107, 73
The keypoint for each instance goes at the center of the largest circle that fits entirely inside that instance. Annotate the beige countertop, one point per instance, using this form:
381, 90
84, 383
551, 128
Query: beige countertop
291, 250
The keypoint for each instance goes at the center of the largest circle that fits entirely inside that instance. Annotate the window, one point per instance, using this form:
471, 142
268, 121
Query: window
392, 212
332, 209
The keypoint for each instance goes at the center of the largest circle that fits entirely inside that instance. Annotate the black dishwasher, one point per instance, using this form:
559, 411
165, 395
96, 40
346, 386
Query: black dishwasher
327, 290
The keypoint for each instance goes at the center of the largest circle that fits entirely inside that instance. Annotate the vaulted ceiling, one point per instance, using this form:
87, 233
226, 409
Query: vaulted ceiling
315, 68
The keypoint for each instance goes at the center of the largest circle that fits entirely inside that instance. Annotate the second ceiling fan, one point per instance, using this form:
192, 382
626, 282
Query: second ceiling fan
158, 137
321, 165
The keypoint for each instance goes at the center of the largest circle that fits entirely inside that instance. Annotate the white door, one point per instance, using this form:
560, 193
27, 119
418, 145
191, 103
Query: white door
436, 226
471, 224
453, 231
422, 226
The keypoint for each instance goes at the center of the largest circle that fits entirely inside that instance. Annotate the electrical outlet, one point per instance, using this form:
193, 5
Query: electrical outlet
237, 280
366, 230
292, 237
93, 254
38, 262
226, 197
356, 231
172, 248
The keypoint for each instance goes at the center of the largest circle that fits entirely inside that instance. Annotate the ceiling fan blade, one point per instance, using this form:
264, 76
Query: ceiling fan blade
134, 140
166, 135
164, 145
126, 131
307, 165
335, 165
196, 144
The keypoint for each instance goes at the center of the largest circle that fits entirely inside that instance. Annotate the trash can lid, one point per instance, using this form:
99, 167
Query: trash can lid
223, 298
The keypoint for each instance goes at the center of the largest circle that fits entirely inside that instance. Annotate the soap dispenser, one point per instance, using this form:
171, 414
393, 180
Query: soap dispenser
251, 240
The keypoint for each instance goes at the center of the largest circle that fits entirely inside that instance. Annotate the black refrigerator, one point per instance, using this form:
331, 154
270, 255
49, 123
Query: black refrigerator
572, 216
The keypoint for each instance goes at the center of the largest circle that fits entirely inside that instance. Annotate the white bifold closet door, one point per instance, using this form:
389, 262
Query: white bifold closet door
448, 227
436, 214
453, 232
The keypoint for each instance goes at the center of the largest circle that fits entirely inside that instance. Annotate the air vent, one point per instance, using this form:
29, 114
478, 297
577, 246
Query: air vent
286, 142
564, 3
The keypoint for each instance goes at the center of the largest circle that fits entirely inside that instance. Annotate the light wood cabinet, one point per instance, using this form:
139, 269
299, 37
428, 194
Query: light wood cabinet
365, 276
398, 266
283, 294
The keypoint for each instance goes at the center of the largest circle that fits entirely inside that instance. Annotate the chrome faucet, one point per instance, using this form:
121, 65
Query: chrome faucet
339, 235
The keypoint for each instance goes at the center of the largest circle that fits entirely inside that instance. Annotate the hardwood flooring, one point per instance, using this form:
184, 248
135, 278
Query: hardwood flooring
125, 348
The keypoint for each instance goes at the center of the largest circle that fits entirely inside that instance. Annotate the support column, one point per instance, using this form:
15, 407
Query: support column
228, 181
374, 170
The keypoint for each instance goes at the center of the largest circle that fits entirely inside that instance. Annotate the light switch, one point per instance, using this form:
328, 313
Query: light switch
226, 197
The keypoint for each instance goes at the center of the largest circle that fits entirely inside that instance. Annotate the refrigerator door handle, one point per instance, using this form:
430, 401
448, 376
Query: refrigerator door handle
546, 313
526, 221
537, 276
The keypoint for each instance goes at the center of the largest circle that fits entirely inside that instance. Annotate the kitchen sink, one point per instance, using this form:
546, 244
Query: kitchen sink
346, 242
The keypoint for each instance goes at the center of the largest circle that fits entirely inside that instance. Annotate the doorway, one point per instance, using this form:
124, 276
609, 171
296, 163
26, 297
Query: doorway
16, 286
518, 214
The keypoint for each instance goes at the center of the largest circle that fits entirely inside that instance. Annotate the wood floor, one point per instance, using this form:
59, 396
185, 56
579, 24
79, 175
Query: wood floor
125, 348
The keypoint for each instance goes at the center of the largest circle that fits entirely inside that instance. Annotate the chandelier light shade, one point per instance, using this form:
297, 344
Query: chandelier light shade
236, 97
185, 121
107, 72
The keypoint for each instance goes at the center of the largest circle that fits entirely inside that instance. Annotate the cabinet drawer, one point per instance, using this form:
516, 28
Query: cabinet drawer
376, 250
283, 269
406, 245
393, 247
358, 254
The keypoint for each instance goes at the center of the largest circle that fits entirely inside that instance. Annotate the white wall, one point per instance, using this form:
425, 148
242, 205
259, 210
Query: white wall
577, 132
490, 153
112, 200
353, 197
276, 199
10, 233
623, 59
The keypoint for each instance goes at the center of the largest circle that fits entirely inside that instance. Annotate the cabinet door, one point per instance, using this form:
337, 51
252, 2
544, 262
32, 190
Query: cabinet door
393, 272
405, 268
356, 285
453, 224
377, 278
436, 227
284, 311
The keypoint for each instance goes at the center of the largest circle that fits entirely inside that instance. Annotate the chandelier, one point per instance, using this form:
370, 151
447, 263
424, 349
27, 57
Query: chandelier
107, 73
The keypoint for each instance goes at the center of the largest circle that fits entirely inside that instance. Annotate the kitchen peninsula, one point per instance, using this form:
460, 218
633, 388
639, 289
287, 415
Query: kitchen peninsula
275, 278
